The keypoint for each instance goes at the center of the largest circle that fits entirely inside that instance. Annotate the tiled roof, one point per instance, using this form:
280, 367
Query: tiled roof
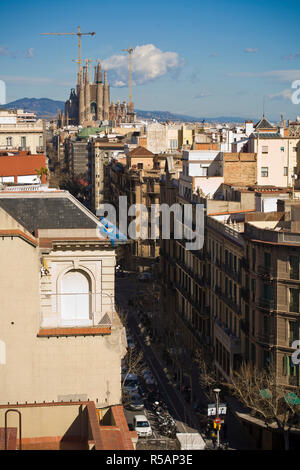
46, 213
140, 152
264, 124
21, 165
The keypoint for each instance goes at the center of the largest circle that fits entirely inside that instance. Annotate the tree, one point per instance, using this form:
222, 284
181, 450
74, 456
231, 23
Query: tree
42, 172
269, 401
207, 375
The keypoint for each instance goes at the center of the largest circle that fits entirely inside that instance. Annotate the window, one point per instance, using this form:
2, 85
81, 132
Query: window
264, 171
294, 300
265, 149
23, 143
294, 267
8, 141
41, 141
294, 149
285, 171
267, 259
140, 166
293, 332
289, 368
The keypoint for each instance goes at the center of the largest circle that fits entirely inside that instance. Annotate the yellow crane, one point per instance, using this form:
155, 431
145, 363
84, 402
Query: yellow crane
79, 34
130, 51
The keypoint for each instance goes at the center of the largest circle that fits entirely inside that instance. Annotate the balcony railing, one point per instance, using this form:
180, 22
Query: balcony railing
265, 271
76, 310
226, 337
268, 304
265, 338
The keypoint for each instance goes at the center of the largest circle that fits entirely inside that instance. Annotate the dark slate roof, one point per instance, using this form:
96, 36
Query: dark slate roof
46, 213
264, 124
267, 135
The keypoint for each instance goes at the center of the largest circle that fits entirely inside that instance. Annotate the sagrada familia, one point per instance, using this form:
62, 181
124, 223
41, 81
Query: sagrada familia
90, 104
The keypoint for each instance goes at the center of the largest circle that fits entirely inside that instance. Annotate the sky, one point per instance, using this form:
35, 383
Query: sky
200, 58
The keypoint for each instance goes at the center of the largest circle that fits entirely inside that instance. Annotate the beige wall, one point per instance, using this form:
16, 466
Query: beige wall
55, 368
32, 132
49, 421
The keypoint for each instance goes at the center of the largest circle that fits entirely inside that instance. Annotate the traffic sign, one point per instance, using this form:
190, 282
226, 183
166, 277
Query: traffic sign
217, 420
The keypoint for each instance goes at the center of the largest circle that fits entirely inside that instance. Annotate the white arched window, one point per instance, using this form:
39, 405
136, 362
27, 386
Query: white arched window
75, 299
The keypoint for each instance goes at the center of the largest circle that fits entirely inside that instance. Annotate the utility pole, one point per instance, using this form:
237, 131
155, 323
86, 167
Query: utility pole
217, 391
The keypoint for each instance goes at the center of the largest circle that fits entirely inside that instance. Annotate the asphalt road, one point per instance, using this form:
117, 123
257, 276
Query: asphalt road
125, 289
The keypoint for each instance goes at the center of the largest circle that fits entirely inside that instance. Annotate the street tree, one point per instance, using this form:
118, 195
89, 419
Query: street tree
259, 391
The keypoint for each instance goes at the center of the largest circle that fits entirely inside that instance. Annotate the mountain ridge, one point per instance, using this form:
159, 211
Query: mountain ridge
48, 108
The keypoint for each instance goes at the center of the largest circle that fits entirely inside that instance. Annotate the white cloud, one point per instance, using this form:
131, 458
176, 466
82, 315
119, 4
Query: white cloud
202, 94
278, 75
285, 94
292, 56
148, 63
250, 50
5, 52
29, 54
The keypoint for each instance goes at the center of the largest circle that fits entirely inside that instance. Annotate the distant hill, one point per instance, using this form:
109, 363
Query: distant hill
47, 108
43, 107
167, 116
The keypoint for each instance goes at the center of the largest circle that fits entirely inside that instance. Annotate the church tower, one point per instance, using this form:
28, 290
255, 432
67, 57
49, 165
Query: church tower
99, 85
106, 99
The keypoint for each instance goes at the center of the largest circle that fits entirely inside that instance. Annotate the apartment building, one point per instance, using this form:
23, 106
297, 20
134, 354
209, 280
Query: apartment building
61, 339
21, 131
238, 296
277, 153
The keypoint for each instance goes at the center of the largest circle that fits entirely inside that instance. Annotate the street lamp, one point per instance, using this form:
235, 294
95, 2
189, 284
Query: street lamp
217, 391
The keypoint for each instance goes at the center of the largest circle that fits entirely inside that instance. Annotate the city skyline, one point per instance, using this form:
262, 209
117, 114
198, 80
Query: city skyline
200, 60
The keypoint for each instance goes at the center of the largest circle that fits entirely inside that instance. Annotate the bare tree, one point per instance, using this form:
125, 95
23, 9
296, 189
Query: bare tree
134, 362
207, 375
259, 391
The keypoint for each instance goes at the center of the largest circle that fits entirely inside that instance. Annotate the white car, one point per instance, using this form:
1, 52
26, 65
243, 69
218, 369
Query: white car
142, 426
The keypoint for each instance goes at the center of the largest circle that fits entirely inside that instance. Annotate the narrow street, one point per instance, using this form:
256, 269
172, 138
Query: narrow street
186, 420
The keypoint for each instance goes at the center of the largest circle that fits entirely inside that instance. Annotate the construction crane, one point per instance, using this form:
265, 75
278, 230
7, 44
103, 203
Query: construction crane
130, 51
79, 34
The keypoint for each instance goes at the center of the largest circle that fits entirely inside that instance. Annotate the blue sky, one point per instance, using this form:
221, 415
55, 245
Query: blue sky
194, 57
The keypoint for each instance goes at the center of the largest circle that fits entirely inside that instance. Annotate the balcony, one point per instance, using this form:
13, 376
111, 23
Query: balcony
76, 310
236, 275
224, 335
228, 300
266, 338
265, 272
266, 304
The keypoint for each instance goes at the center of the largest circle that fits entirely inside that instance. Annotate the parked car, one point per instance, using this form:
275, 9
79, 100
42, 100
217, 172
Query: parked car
145, 276
142, 426
133, 401
131, 383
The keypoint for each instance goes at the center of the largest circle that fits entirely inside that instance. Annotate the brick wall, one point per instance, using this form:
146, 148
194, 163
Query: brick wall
240, 168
